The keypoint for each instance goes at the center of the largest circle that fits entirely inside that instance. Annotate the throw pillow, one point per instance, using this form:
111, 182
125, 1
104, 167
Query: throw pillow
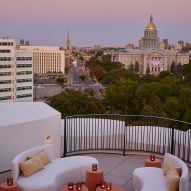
31, 166
173, 180
44, 157
168, 165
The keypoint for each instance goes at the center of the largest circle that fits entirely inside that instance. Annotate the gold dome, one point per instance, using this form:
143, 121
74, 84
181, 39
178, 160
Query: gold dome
151, 25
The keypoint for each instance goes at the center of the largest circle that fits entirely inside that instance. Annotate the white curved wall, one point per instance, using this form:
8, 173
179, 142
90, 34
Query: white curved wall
25, 125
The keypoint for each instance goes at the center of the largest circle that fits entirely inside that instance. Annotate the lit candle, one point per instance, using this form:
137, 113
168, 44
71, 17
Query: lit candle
78, 186
102, 185
94, 167
152, 157
70, 185
9, 181
108, 186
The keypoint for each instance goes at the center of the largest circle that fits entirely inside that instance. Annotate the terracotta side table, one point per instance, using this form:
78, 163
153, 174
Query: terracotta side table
4, 187
65, 188
155, 163
93, 178
114, 188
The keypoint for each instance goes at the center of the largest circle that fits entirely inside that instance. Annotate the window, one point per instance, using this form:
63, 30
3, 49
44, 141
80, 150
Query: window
5, 90
24, 65
6, 43
5, 66
5, 98
24, 88
24, 80
24, 95
24, 72
5, 51
5, 73
24, 58
5, 58
5, 81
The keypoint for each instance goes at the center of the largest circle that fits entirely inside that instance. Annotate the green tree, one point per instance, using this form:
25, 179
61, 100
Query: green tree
82, 77
60, 81
72, 102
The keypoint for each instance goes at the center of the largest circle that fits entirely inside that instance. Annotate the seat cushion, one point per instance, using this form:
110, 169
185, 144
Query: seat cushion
149, 179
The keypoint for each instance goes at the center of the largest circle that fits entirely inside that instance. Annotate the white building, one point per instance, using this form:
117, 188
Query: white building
46, 59
16, 73
151, 56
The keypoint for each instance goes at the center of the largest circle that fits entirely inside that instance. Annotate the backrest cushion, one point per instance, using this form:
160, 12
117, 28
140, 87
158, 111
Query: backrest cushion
168, 165
173, 179
183, 185
31, 166
43, 155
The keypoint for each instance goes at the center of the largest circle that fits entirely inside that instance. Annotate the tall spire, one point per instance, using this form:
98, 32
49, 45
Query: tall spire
68, 45
151, 18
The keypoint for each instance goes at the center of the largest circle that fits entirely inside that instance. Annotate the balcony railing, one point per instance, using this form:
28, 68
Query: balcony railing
126, 133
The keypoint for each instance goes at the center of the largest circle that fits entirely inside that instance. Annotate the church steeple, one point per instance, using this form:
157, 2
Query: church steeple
151, 18
68, 45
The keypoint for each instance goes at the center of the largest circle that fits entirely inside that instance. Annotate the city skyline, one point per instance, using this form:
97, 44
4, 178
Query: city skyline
105, 22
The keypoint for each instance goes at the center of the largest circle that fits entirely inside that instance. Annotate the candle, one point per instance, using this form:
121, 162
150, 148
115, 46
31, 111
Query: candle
102, 185
9, 181
70, 185
152, 157
108, 186
78, 186
94, 167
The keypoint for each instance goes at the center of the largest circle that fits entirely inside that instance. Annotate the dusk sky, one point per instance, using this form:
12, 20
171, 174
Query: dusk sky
105, 22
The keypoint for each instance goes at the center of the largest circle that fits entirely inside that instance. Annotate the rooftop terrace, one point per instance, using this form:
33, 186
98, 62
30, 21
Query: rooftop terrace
118, 169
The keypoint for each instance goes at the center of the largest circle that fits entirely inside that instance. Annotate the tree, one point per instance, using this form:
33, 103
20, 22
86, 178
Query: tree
72, 102
173, 67
137, 67
98, 72
82, 77
131, 68
60, 81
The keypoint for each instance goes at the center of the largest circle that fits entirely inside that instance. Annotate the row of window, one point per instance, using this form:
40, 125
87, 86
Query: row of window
5, 58
24, 88
5, 81
5, 66
5, 51
5, 90
24, 72
24, 80
5, 98
24, 95
6, 43
24, 65
24, 58
5, 73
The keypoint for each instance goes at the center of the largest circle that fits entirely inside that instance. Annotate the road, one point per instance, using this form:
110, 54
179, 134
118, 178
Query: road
75, 82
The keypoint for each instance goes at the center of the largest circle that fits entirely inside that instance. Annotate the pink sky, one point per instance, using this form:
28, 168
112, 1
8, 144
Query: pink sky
106, 22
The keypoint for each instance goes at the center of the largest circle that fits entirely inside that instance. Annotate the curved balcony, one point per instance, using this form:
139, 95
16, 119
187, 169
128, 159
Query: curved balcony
126, 133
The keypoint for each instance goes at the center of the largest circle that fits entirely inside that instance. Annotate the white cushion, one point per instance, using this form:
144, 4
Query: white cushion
149, 179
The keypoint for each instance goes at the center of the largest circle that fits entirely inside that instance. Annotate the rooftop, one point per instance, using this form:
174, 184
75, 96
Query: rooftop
118, 169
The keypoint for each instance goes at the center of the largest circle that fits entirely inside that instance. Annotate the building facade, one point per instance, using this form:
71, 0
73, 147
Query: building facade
46, 59
16, 73
150, 57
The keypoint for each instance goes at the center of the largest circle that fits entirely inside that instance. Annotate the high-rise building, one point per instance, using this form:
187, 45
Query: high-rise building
16, 73
151, 57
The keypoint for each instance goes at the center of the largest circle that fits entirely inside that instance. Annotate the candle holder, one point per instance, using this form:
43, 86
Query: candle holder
94, 167
108, 186
70, 185
9, 181
78, 186
152, 157
102, 185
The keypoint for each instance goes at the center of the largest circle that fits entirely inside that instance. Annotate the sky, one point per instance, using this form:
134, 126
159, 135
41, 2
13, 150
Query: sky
104, 22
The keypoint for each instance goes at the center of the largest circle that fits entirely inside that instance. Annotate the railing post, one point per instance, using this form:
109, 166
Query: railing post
124, 136
172, 139
65, 142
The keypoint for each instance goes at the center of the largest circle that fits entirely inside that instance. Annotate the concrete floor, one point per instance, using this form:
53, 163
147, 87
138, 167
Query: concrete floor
118, 169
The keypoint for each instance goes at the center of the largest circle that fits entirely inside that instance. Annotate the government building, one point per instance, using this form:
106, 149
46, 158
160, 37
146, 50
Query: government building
150, 57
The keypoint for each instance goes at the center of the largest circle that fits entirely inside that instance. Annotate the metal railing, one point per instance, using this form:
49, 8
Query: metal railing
125, 133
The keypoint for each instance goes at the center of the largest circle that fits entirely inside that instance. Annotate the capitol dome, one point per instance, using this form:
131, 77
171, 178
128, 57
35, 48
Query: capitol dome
151, 25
